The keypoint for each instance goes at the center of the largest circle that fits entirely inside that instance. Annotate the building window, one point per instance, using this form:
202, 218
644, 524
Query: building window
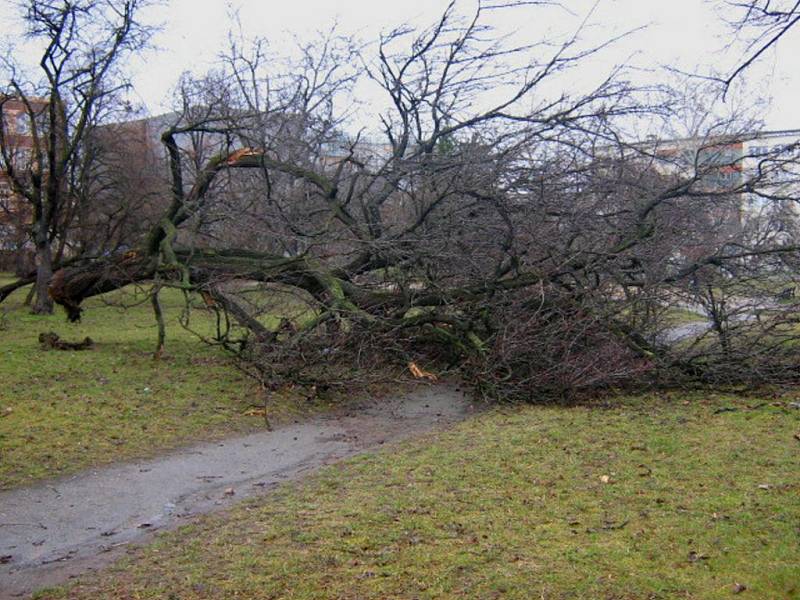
23, 124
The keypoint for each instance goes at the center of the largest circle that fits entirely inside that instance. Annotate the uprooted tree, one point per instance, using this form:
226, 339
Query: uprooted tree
497, 226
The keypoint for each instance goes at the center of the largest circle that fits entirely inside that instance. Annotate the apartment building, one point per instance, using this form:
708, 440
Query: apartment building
756, 165
16, 144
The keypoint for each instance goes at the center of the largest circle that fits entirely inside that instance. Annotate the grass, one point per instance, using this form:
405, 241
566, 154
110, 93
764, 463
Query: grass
61, 412
651, 498
681, 316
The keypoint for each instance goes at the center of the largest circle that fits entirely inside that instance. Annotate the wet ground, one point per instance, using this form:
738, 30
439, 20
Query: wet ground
62, 528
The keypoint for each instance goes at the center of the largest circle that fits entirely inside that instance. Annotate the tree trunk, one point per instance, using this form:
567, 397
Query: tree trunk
44, 275
159, 314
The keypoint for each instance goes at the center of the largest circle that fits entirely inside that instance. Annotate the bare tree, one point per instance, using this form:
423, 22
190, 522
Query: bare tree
763, 23
84, 43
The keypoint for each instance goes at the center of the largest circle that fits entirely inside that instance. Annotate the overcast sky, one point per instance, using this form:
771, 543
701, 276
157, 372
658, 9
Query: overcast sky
686, 34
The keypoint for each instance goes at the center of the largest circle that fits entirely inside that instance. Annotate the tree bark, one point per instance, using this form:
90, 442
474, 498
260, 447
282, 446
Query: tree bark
44, 275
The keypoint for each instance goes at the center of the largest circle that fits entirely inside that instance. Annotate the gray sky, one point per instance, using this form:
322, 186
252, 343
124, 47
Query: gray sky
686, 34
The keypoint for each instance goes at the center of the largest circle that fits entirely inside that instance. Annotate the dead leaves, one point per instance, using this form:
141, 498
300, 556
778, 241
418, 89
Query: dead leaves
260, 411
256, 412
420, 373
611, 525
696, 556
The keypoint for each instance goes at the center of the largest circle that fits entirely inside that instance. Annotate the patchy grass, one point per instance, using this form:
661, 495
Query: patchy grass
61, 412
648, 498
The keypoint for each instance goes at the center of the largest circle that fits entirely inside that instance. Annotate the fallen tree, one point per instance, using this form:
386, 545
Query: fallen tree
529, 248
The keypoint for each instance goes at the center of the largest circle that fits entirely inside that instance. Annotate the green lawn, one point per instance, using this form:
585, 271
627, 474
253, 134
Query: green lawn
681, 316
647, 498
64, 411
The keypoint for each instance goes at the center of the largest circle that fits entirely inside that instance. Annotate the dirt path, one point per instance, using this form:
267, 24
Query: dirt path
59, 529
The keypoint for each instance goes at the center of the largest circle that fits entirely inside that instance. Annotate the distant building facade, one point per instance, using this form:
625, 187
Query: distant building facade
756, 165
16, 145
